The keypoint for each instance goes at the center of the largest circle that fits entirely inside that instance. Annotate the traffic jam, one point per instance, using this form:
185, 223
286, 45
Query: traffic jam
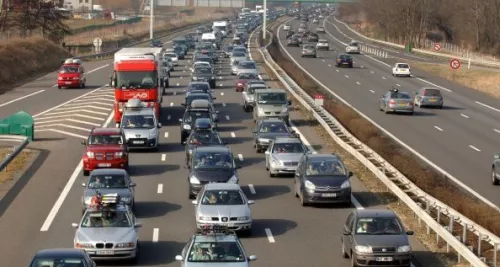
108, 227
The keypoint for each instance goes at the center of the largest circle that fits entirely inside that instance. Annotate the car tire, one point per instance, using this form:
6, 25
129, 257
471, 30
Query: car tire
84, 85
191, 196
412, 113
353, 262
59, 87
86, 173
344, 253
303, 202
296, 194
494, 179
441, 107
272, 175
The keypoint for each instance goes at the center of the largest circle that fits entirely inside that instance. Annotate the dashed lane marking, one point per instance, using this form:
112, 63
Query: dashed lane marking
156, 235
252, 189
463, 115
233, 135
439, 129
475, 148
21, 98
240, 157
270, 236
166, 134
160, 189
227, 117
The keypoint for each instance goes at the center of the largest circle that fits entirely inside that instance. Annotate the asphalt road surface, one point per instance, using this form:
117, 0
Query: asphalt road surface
41, 213
461, 138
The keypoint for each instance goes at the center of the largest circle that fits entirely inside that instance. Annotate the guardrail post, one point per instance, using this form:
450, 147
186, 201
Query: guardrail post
450, 229
428, 210
479, 241
438, 219
495, 255
464, 234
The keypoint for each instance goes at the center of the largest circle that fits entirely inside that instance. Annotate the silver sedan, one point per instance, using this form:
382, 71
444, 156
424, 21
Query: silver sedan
283, 156
248, 66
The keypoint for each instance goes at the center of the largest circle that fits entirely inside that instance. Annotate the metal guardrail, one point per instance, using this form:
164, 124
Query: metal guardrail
425, 52
16, 150
426, 208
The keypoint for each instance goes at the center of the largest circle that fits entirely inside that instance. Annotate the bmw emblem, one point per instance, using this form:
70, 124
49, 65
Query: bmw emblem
224, 219
384, 250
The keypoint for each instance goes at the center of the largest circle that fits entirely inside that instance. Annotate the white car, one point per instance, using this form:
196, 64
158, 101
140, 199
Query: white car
286, 27
401, 69
173, 56
322, 45
352, 48
200, 64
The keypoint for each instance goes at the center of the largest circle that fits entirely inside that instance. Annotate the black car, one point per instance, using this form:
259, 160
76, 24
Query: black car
198, 87
293, 41
189, 118
180, 52
62, 257
322, 178
197, 95
211, 164
267, 130
203, 74
201, 137
289, 33
156, 43
344, 60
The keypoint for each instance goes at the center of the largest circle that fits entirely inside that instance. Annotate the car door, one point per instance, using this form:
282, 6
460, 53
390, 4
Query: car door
394, 68
268, 153
383, 100
349, 228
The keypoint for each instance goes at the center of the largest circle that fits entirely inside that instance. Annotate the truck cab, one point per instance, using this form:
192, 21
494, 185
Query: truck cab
271, 103
140, 126
71, 74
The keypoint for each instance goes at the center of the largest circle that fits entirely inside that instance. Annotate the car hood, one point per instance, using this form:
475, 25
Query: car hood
381, 240
327, 180
285, 157
272, 107
137, 133
274, 135
105, 148
254, 71
115, 235
223, 210
212, 176
122, 192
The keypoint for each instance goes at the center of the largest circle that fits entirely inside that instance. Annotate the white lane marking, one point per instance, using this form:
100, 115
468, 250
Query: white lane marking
65, 125
166, 134
463, 115
156, 235
221, 93
92, 98
397, 84
69, 115
72, 120
163, 157
362, 66
171, 104
383, 77
438, 128
487, 106
240, 157
21, 98
220, 77
323, 60
358, 83
227, 117
337, 70
433, 84
496, 130
160, 189
75, 108
372, 72
101, 67
93, 103
64, 193
233, 135
175, 92
65, 133
372, 91
181, 77
347, 76
329, 65
475, 148
177, 84
269, 234
168, 117
252, 189
80, 110
224, 104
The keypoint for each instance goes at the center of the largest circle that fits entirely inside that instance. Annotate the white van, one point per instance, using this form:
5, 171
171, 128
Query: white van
209, 37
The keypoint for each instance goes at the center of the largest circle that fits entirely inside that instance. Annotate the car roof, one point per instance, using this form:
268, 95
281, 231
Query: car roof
220, 149
322, 156
109, 131
60, 252
271, 90
142, 111
272, 120
108, 171
221, 186
286, 140
322, 40
376, 213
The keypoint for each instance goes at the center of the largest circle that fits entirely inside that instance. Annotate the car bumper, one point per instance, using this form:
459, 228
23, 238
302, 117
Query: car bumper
234, 226
142, 143
394, 108
405, 73
118, 254
337, 196
68, 83
282, 169
431, 103
308, 54
371, 260
284, 117
90, 165
322, 47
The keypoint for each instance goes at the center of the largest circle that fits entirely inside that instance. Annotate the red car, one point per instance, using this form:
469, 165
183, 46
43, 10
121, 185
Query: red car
105, 148
71, 75
243, 78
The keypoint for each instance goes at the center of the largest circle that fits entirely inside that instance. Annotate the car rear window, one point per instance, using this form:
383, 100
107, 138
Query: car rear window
400, 96
432, 92
403, 66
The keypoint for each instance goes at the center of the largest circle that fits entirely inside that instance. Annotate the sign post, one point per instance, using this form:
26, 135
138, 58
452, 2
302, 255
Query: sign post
318, 99
97, 45
437, 47
455, 65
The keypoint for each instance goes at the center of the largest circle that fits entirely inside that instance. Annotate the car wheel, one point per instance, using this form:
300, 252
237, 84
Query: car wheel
344, 253
494, 179
271, 174
86, 173
412, 113
295, 189
58, 87
191, 196
84, 85
353, 262
303, 202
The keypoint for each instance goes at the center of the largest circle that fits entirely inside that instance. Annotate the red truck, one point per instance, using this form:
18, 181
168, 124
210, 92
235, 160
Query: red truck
137, 74
71, 75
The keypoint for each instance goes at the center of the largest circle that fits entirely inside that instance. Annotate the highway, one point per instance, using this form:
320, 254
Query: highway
461, 138
40, 216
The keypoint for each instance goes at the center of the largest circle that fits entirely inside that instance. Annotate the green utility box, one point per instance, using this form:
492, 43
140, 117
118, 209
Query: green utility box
20, 123
409, 47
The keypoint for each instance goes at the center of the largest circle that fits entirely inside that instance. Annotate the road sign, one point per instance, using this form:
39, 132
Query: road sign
97, 42
437, 47
455, 64
318, 99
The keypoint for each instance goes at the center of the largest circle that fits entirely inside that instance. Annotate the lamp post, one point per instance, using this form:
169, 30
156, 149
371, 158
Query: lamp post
151, 18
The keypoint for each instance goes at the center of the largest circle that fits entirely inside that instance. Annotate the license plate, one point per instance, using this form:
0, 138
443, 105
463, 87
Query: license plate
384, 259
433, 100
329, 195
403, 105
104, 164
137, 142
67, 82
105, 252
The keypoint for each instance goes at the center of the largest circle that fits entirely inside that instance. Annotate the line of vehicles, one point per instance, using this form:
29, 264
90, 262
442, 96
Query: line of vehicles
108, 227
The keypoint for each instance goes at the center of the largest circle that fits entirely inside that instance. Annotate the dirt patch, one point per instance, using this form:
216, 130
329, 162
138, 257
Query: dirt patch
483, 80
19, 163
80, 23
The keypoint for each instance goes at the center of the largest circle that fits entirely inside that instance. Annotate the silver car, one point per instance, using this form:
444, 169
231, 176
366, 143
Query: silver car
309, 50
223, 204
429, 97
353, 48
173, 56
238, 56
395, 101
109, 181
234, 67
108, 232
283, 156
140, 125
248, 66
249, 96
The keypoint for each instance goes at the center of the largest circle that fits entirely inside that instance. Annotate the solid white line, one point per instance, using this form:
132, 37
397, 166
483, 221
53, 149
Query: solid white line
166, 134
358, 83
160, 189
233, 135
88, 103
252, 189
372, 91
163, 157
63, 132
21, 98
475, 148
72, 120
438, 128
496, 130
463, 115
240, 157
490, 107
156, 234
269, 234
69, 115
80, 107
67, 126
93, 98
80, 110
101, 67
433, 84
227, 117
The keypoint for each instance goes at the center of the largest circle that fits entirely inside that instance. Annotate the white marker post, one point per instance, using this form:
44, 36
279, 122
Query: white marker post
151, 18
97, 45
264, 27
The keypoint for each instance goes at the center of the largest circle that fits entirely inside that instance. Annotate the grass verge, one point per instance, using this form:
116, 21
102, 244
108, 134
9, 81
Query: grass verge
19, 163
80, 23
423, 176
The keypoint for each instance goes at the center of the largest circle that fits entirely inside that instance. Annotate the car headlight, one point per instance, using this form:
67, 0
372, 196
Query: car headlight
363, 249
125, 245
244, 218
233, 180
90, 154
126, 199
205, 218
153, 134
405, 248
195, 78
284, 110
345, 184
83, 245
309, 185
213, 77
87, 200
194, 180
263, 140
276, 163
187, 127
190, 151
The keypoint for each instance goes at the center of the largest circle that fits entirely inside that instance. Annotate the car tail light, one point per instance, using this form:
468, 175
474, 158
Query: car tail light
118, 155
59, 78
392, 102
90, 154
411, 104
339, 60
239, 84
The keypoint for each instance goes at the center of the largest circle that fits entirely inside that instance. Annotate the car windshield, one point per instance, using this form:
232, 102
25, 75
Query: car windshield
137, 79
202, 138
105, 219
203, 70
179, 41
178, 49
272, 98
199, 86
403, 66
107, 181
138, 122
354, 44
193, 115
70, 69
222, 197
209, 60
192, 97
288, 148
378, 226
247, 76
345, 57
238, 54
97, 139
273, 128
57, 261
210, 160
399, 95
432, 92
252, 88
247, 65
228, 251
328, 167
172, 55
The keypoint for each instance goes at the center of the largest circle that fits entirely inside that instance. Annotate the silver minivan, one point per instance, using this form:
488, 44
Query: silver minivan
271, 103
140, 126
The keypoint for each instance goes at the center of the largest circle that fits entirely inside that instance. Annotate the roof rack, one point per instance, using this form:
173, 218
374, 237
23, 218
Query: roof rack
134, 104
214, 229
100, 201
73, 61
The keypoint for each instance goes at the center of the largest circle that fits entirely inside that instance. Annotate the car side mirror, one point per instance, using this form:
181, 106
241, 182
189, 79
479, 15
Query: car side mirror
346, 232
179, 258
410, 232
83, 184
132, 184
74, 225
266, 152
180, 120
84, 142
159, 125
351, 174
251, 202
138, 225
252, 258
195, 202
